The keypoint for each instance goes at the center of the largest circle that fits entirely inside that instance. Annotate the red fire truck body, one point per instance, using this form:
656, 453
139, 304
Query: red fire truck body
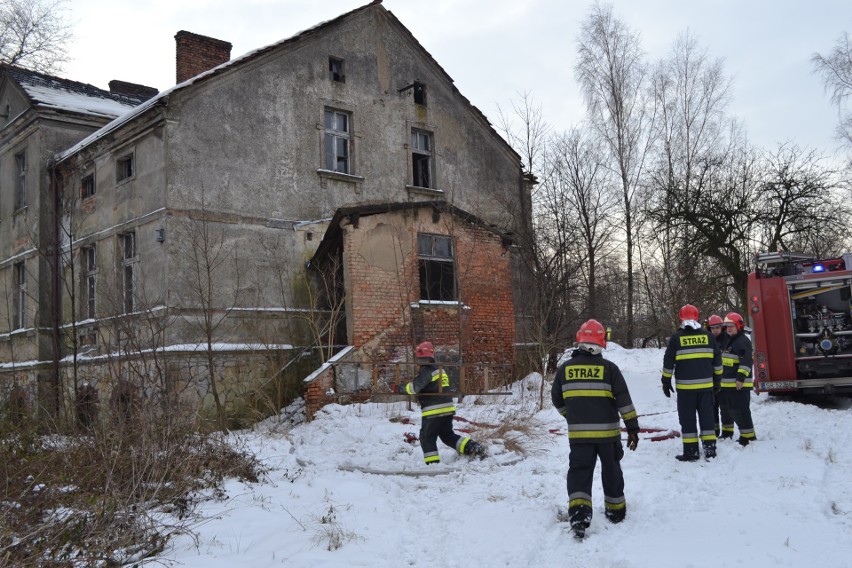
801, 317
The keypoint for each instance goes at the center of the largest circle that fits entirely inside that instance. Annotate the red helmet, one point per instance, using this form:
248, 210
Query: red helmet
736, 319
592, 332
688, 312
424, 350
714, 320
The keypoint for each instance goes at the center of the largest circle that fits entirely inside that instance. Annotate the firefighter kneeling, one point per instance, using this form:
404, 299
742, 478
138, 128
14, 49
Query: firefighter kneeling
590, 392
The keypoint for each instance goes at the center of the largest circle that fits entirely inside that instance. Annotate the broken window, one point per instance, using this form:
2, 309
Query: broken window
87, 186
337, 141
124, 168
335, 70
437, 267
90, 276
21, 180
129, 263
20, 319
421, 158
420, 93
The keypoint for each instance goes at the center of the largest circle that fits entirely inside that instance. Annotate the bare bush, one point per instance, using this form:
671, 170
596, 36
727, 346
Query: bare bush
113, 496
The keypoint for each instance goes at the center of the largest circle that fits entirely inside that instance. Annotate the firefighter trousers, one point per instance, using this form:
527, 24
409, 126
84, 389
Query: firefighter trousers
441, 427
738, 405
581, 471
690, 403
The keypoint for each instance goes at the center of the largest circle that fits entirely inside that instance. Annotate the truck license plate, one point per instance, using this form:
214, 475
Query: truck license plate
776, 385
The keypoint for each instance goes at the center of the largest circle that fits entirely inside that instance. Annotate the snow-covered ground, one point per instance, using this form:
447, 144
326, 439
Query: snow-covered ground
785, 500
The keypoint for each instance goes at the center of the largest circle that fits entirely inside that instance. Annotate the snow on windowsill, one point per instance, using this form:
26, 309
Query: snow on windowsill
449, 303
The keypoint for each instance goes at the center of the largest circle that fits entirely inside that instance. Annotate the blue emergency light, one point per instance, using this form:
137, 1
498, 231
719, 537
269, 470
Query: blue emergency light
818, 268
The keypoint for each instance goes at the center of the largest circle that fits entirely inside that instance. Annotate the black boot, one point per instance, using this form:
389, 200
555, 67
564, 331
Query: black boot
709, 450
690, 454
615, 516
476, 450
580, 521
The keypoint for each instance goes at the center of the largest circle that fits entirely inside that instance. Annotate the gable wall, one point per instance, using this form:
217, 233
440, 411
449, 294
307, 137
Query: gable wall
253, 137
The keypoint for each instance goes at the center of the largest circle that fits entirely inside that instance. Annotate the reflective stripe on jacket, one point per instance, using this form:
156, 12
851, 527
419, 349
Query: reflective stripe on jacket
693, 357
430, 380
737, 360
591, 393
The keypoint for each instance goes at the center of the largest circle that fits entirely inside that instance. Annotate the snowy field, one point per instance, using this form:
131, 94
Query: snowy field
347, 490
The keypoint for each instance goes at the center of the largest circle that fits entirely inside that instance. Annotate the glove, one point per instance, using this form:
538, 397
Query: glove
632, 440
667, 387
717, 388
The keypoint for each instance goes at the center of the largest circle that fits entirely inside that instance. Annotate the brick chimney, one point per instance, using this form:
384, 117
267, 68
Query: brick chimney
134, 90
197, 53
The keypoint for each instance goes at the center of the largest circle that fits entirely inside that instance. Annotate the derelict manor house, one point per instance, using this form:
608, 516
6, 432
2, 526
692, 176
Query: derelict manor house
333, 189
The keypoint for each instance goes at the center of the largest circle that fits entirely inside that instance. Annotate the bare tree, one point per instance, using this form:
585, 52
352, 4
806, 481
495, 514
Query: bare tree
34, 34
801, 207
526, 131
585, 194
613, 76
691, 94
211, 262
545, 248
836, 71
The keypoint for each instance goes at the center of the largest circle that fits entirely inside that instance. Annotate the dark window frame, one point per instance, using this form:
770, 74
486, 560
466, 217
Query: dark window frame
129, 271
21, 180
87, 186
437, 267
420, 93
336, 70
125, 167
90, 276
20, 319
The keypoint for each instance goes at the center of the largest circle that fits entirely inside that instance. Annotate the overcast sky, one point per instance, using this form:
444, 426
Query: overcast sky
497, 49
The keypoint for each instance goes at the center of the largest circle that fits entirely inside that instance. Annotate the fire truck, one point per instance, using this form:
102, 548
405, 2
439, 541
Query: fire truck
800, 309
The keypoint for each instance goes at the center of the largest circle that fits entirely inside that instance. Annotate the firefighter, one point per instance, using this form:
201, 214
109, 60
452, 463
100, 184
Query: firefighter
737, 381
694, 359
591, 393
436, 409
716, 326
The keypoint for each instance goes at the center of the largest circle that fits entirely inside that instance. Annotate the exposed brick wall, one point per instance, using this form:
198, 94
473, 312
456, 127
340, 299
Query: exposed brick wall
386, 319
384, 323
315, 392
196, 54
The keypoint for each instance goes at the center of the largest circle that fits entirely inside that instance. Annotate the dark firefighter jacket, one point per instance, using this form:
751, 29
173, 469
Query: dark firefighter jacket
693, 357
430, 380
590, 392
737, 360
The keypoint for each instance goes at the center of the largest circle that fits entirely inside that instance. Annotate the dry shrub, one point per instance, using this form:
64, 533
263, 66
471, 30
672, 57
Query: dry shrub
516, 430
113, 495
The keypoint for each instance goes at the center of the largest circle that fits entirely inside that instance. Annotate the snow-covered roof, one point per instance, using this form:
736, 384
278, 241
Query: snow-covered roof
63, 94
